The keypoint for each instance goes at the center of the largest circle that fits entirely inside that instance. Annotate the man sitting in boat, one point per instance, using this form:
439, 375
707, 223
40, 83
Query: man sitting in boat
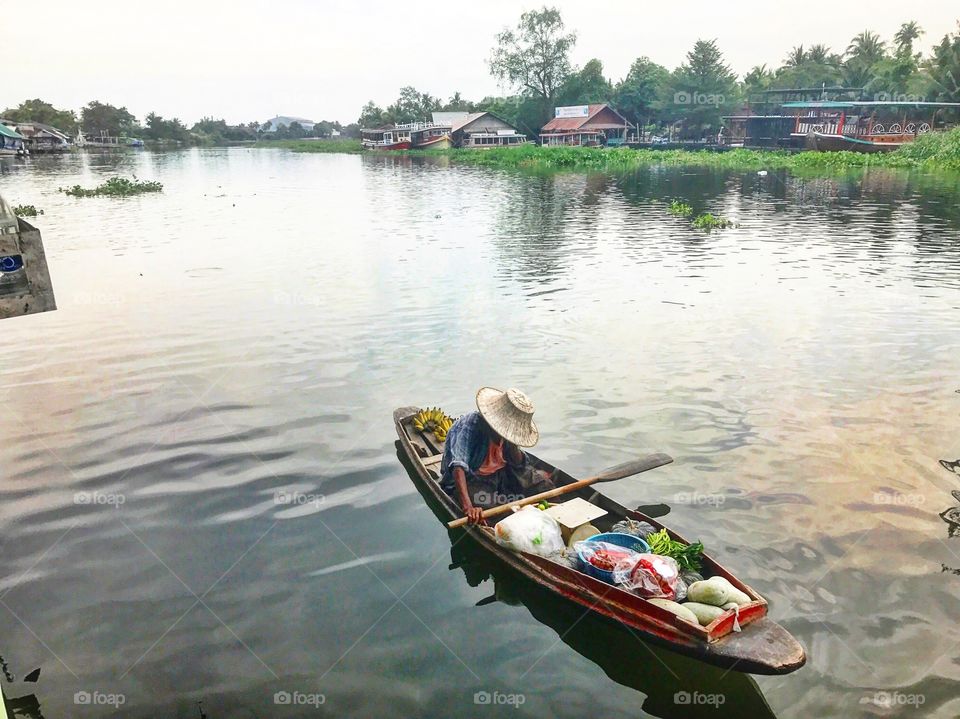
483, 465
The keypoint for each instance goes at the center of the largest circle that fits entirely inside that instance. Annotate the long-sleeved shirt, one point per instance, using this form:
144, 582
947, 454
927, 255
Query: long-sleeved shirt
467, 446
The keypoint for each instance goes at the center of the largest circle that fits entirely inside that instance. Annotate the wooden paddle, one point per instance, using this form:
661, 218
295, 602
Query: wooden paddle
627, 469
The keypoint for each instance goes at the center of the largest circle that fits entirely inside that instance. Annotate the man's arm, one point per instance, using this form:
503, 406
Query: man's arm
474, 514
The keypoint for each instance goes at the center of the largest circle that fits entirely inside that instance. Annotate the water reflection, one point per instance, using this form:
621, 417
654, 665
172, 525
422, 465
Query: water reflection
674, 686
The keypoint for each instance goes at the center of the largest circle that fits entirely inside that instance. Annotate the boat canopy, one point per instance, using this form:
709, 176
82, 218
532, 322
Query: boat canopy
839, 105
7, 132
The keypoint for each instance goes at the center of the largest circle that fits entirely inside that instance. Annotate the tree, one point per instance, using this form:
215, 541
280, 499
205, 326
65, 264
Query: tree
535, 57
371, 116
757, 80
159, 129
457, 103
702, 88
37, 110
943, 69
817, 67
97, 117
411, 106
905, 37
585, 86
638, 95
796, 57
863, 54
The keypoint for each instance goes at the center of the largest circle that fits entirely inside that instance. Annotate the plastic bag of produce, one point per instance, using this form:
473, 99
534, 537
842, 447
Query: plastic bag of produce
649, 575
530, 530
604, 555
632, 526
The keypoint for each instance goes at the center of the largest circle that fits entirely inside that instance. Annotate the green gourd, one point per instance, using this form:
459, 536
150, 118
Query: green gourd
705, 613
679, 609
709, 592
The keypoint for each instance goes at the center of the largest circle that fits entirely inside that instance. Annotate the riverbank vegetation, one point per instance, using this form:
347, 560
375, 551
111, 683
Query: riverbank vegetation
341, 145
933, 151
115, 187
688, 102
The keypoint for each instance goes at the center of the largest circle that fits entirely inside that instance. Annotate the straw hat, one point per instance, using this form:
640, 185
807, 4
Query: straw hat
509, 414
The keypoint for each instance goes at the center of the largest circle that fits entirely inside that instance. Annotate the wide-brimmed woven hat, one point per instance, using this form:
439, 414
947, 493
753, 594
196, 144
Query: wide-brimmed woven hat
509, 414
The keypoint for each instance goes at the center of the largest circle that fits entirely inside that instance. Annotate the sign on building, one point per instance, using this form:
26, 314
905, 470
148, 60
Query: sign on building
572, 111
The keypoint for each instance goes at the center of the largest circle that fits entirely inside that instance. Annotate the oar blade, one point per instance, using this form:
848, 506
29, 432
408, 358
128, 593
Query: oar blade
636, 466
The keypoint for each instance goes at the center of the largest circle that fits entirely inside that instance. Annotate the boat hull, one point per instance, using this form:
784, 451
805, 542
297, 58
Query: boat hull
405, 145
436, 143
761, 647
823, 142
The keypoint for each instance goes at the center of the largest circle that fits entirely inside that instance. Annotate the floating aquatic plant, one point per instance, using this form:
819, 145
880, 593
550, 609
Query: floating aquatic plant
681, 209
709, 222
115, 187
26, 211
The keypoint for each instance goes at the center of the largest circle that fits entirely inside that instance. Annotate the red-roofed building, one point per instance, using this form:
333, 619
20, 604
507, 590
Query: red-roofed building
591, 125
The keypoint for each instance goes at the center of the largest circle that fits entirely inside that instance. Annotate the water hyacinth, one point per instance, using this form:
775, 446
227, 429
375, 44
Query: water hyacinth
115, 187
26, 211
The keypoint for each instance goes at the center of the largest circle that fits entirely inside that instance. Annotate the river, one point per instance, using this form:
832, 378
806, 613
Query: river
249, 331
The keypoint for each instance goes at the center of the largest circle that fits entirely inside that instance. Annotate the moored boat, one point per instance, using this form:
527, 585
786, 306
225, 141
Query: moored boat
760, 647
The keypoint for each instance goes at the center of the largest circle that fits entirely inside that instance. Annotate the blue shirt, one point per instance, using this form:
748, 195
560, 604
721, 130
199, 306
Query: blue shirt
466, 447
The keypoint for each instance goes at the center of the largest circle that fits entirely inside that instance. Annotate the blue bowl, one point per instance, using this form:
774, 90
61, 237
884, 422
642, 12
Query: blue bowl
627, 541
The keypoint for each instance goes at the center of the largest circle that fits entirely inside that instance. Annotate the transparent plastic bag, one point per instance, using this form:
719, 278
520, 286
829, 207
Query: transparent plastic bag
530, 530
604, 555
648, 575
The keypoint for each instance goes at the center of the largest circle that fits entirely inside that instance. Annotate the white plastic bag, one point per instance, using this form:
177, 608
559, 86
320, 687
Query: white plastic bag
649, 575
530, 530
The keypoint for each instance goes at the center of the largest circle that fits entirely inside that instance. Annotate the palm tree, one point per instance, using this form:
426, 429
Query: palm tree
905, 36
866, 48
820, 54
796, 57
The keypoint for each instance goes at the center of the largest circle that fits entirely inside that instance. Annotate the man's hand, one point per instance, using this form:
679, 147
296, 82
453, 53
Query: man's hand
475, 516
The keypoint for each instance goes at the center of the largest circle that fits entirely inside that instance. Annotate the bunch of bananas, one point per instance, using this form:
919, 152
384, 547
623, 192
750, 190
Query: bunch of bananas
433, 419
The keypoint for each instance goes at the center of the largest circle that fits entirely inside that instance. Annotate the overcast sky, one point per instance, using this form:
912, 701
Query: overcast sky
322, 60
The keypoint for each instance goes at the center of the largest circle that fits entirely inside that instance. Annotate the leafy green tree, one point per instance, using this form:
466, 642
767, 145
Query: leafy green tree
639, 95
796, 57
371, 116
905, 37
585, 86
37, 110
97, 116
157, 128
411, 106
535, 57
942, 70
757, 80
862, 56
703, 88
457, 103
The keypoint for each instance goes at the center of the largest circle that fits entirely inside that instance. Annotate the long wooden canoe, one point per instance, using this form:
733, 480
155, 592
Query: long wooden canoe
761, 647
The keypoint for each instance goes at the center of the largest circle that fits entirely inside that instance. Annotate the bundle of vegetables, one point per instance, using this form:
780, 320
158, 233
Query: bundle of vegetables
688, 556
712, 597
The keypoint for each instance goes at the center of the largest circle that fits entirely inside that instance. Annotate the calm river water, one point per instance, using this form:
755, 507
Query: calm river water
250, 330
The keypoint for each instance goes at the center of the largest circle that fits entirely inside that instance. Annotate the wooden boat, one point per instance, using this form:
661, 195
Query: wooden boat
823, 142
761, 647
442, 142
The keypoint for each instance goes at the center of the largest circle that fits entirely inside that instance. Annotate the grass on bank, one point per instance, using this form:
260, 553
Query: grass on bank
932, 151
115, 187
